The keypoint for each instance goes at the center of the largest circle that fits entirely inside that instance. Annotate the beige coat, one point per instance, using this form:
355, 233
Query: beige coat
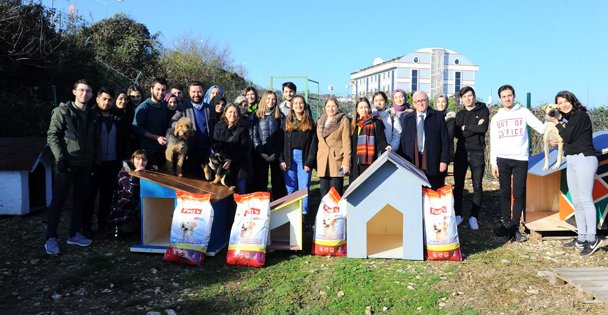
334, 150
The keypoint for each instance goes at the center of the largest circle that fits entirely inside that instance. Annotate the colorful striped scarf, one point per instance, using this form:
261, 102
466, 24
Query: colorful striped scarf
366, 142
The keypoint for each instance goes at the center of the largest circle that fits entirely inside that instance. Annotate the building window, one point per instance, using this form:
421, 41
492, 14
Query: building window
416, 59
414, 80
457, 81
457, 61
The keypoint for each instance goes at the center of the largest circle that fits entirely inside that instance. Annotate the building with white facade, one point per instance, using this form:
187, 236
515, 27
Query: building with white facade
431, 70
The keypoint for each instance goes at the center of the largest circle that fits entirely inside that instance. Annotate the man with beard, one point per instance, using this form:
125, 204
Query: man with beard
151, 122
200, 143
113, 130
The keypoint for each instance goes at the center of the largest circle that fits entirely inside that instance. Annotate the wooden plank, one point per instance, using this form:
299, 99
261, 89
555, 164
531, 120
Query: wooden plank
550, 223
592, 283
218, 192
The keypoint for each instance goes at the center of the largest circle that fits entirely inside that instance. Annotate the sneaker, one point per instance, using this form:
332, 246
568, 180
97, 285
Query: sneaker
473, 223
458, 220
520, 238
575, 243
501, 231
51, 246
79, 240
590, 248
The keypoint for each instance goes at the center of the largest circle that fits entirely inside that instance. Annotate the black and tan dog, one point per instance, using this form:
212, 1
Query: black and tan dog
551, 133
177, 144
216, 173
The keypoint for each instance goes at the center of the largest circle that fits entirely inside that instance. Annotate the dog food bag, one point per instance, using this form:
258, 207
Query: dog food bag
250, 229
440, 224
190, 229
330, 226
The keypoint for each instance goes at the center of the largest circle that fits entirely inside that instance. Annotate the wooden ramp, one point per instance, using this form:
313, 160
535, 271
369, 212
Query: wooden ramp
592, 283
549, 226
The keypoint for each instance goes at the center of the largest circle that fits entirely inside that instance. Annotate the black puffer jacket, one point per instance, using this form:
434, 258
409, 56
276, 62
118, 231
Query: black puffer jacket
266, 135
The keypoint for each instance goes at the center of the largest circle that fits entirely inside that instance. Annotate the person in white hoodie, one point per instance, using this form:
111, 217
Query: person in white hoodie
392, 126
509, 158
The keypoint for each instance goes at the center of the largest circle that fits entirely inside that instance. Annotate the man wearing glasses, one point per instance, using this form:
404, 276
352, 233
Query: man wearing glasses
74, 142
424, 140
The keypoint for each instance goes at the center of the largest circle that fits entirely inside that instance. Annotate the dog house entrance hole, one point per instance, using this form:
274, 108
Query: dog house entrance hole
157, 216
385, 234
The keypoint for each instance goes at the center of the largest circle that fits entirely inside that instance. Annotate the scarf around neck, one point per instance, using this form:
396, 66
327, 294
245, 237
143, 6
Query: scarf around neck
333, 125
366, 142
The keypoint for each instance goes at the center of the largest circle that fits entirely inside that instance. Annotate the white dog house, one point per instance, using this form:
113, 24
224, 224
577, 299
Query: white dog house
26, 169
286, 222
384, 210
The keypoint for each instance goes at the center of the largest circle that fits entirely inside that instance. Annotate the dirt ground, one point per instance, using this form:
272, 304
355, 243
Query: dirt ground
497, 276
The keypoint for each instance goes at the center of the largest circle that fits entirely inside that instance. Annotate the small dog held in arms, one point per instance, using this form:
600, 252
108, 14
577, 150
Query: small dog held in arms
177, 144
215, 172
552, 134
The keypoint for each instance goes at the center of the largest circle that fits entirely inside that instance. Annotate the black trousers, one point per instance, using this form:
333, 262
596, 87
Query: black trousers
260, 176
80, 178
475, 160
193, 165
104, 182
328, 182
518, 170
436, 181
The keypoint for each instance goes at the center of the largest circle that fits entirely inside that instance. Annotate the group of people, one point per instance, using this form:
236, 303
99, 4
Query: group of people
257, 135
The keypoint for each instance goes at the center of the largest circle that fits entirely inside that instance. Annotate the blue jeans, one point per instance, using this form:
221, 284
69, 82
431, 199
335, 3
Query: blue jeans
580, 176
296, 177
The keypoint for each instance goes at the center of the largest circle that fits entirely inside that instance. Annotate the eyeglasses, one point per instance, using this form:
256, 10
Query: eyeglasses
421, 101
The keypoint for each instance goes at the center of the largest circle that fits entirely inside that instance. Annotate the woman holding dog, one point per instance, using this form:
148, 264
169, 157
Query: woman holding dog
367, 138
576, 131
299, 153
266, 125
333, 153
231, 138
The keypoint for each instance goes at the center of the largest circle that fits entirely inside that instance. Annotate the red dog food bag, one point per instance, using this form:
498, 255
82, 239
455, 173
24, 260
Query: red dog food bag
190, 229
330, 226
249, 232
440, 224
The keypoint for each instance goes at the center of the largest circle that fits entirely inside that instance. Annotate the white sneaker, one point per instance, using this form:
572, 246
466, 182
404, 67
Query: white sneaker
458, 219
473, 223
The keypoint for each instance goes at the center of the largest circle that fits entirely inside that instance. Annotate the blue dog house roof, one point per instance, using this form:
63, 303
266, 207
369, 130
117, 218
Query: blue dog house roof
536, 162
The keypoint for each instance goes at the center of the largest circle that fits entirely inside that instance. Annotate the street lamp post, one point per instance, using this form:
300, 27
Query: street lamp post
106, 2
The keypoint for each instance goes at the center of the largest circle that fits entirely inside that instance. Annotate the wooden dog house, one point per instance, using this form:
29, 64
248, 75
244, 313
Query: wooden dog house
548, 201
384, 210
158, 201
26, 175
286, 222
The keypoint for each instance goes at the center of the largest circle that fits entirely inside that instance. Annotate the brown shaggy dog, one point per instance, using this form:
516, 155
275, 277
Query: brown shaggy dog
177, 144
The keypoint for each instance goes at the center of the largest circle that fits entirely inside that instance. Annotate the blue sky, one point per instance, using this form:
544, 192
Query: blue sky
537, 46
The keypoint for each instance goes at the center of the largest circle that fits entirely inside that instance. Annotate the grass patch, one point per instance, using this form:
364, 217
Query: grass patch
320, 285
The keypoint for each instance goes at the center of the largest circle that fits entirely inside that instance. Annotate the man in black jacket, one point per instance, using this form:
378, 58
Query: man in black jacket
73, 141
471, 125
424, 140
113, 130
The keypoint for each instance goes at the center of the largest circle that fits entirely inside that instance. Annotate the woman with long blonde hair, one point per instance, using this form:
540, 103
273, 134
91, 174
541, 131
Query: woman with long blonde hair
266, 137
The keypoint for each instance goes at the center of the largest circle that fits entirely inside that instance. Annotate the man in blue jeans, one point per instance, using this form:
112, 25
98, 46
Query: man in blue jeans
74, 142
